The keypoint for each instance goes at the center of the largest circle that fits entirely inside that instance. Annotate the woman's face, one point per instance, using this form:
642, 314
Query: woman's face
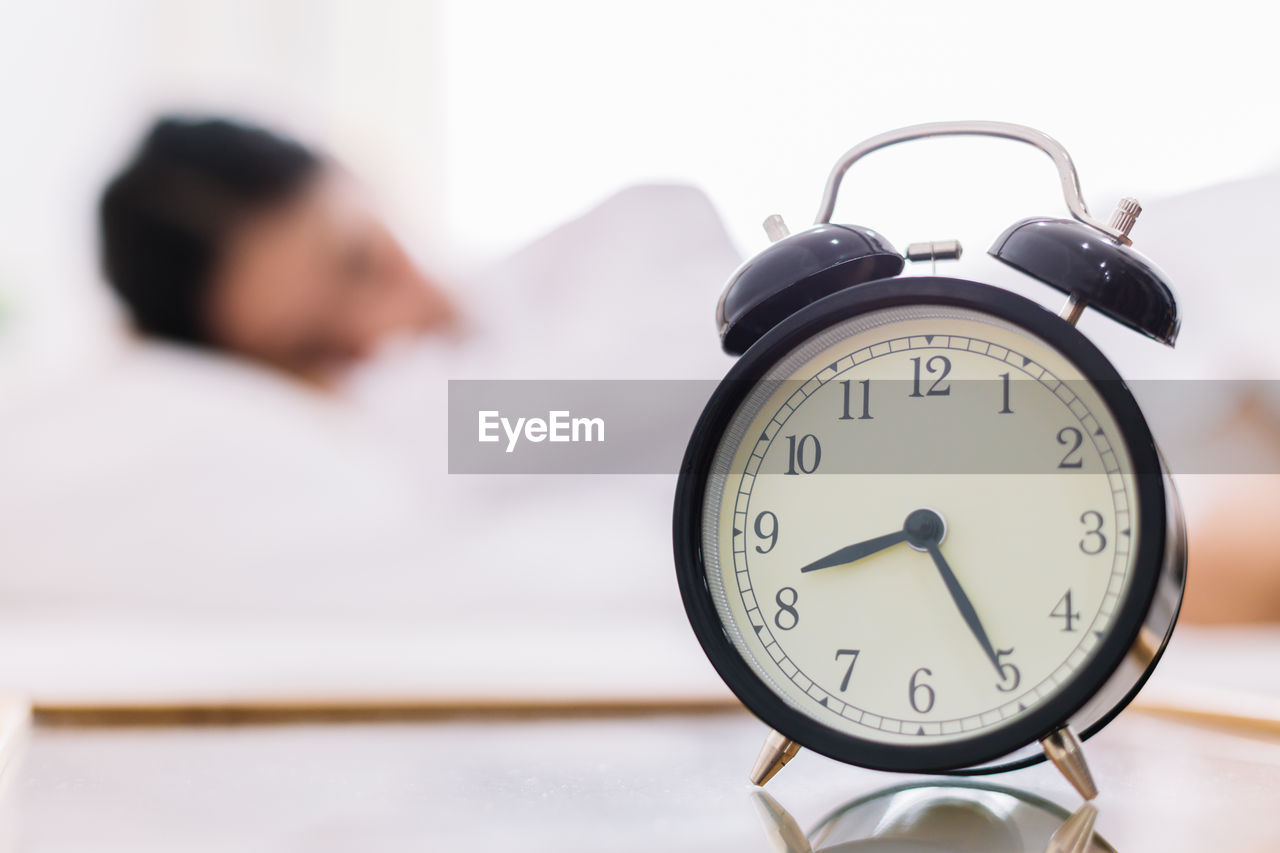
316, 285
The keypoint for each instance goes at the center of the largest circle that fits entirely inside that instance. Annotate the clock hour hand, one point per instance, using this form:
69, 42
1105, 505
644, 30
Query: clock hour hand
858, 551
964, 604
921, 527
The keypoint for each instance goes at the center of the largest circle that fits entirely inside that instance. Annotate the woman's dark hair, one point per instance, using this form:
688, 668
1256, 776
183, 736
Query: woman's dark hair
165, 217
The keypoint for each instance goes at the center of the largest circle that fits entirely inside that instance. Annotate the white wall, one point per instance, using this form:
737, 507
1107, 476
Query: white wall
483, 124
551, 103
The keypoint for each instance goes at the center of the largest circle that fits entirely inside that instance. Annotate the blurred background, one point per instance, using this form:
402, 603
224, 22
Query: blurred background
582, 177
483, 126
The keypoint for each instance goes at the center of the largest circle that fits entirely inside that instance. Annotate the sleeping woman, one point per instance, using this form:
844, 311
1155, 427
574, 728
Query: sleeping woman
224, 235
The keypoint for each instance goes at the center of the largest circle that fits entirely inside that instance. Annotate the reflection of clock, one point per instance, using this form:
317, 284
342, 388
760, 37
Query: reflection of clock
922, 522
938, 815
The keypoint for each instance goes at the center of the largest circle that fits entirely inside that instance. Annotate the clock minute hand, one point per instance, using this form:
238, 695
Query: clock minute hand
858, 551
965, 605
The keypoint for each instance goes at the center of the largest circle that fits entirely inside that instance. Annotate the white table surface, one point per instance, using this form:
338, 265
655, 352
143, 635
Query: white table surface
647, 783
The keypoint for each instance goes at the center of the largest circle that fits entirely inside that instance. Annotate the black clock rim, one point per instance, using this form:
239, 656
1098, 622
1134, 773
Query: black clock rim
783, 339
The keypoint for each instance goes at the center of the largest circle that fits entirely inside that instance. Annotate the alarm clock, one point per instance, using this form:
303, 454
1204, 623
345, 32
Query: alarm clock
922, 524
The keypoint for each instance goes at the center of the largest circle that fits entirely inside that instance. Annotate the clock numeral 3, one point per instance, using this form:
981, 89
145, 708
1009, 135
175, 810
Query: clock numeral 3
771, 534
1071, 438
1010, 677
804, 455
1094, 540
939, 365
1068, 616
917, 689
787, 616
866, 401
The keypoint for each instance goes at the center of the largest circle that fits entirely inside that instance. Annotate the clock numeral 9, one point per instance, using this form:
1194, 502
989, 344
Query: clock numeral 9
787, 612
866, 401
803, 456
940, 365
771, 534
1071, 438
916, 690
1094, 540
1010, 677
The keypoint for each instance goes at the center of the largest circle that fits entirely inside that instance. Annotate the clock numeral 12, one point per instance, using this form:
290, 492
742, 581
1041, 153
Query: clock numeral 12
866, 400
939, 364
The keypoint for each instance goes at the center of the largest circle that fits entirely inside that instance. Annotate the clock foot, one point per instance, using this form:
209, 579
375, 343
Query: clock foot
774, 755
1062, 747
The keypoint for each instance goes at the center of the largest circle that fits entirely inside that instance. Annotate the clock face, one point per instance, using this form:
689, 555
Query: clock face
920, 526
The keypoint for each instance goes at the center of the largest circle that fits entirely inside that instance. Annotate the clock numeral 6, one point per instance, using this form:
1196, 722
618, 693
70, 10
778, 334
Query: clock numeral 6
1010, 677
918, 689
771, 534
939, 365
803, 456
787, 616
1094, 540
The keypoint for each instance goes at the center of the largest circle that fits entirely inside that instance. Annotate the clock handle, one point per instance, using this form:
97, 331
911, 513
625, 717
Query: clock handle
999, 129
